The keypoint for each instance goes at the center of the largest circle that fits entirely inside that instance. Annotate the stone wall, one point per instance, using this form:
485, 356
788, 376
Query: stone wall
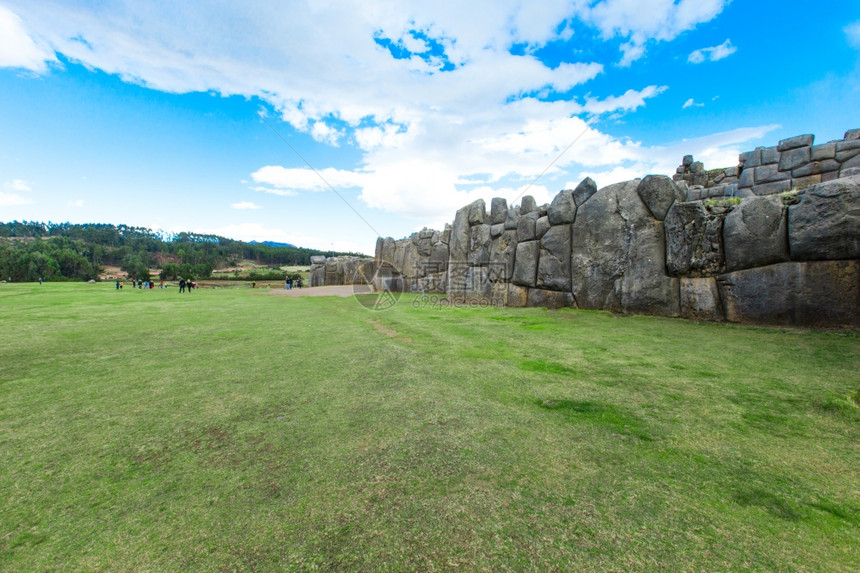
703, 246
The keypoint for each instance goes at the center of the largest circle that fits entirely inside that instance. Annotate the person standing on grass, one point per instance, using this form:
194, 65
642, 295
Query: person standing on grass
181, 284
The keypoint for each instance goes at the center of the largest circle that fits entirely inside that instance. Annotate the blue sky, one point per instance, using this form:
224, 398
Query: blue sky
171, 115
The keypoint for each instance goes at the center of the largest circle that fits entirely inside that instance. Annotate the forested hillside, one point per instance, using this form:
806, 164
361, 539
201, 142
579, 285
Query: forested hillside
57, 251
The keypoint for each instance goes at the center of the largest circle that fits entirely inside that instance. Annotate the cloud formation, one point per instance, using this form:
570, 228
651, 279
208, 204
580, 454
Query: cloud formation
712, 54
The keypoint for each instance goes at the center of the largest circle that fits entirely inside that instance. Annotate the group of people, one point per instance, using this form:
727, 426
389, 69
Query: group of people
288, 283
141, 284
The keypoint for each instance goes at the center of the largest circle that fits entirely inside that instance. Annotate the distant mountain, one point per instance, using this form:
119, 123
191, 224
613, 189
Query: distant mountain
272, 244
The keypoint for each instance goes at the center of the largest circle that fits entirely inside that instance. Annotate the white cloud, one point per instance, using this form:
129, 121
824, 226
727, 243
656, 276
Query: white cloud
712, 54
852, 31
244, 205
77, 204
691, 103
642, 21
13, 199
430, 141
17, 47
19, 185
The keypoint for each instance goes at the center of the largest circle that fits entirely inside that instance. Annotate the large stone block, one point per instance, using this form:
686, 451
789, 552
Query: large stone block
512, 215
823, 151
502, 252
496, 230
526, 226
438, 261
825, 223
554, 264
769, 155
816, 167
498, 207
694, 245
770, 173
459, 248
658, 192
755, 234
562, 210
751, 158
318, 259
700, 299
772, 188
550, 299
528, 205
818, 293
747, 177
793, 158
525, 263
542, 225
479, 245
477, 212
795, 142
586, 188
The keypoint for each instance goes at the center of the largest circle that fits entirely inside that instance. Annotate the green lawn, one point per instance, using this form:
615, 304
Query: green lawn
229, 429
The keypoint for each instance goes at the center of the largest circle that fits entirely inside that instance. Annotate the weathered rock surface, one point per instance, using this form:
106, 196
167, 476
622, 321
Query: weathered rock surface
659, 192
813, 293
553, 271
549, 298
525, 263
583, 192
755, 234
502, 251
562, 210
694, 245
825, 224
700, 299
498, 208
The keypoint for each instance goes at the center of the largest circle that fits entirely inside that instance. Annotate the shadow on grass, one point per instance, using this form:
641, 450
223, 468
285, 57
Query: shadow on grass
607, 416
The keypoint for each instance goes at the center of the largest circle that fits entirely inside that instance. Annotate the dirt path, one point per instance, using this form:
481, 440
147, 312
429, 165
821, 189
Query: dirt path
341, 291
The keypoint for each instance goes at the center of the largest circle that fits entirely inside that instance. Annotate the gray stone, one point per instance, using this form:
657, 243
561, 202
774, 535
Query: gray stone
617, 255
700, 299
853, 162
770, 173
793, 158
554, 264
755, 234
479, 245
528, 205
795, 142
747, 177
477, 212
825, 224
541, 227
318, 260
693, 241
772, 188
658, 192
542, 210
425, 243
459, 249
699, 179
823, 151
526, 226
847, 155
550, 299
769, 155
847, 145
317, 276
498, 207
377, 253
750, 158
562, 210
697, 167
502, 252
694, 194
438, 262
852, 134
586, 188
850, 172
816, 167
388, 248
804, 182
496, 230
525, 263
732, 171
687, 161
744, 193
819, 293
512, 215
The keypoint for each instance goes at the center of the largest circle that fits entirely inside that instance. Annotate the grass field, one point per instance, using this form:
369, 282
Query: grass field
236, 430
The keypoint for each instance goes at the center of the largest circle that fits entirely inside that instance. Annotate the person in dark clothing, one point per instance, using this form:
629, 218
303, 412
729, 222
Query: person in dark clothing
181, 284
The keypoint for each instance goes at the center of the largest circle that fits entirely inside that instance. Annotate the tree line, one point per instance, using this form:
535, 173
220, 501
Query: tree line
66, 251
